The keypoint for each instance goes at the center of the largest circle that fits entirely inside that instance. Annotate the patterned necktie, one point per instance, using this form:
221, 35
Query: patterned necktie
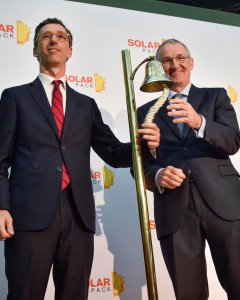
180, 125
57, 109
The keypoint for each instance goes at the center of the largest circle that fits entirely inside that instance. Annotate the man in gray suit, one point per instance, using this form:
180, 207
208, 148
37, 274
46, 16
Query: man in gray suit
196, 188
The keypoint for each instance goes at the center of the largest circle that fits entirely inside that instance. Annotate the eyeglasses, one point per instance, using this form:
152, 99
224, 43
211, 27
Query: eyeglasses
168, 61
47, 36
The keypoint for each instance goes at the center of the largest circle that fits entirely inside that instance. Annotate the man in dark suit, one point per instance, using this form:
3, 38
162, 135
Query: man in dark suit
47, 214
196, 188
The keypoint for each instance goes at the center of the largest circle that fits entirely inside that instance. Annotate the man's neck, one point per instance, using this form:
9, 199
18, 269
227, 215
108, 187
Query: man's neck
54, 72
179, 88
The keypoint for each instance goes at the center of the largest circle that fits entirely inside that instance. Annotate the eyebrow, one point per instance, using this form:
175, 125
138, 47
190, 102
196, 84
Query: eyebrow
186, 54
48, 31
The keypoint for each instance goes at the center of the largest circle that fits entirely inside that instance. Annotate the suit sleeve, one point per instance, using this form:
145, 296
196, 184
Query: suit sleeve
105, 143
222, 131
8, 123
109, 148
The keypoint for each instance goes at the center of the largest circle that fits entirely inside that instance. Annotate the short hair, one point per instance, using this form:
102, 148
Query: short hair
170, 41
51, 21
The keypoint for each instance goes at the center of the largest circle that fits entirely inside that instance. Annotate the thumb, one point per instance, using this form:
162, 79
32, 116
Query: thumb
9, 226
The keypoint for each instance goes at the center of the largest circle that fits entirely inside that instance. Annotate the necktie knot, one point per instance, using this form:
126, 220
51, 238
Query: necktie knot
179, 95
56, 83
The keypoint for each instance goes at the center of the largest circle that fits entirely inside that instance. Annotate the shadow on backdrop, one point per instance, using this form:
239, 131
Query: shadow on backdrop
120, 222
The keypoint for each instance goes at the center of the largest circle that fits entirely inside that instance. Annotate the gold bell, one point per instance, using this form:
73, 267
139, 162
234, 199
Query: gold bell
155, 78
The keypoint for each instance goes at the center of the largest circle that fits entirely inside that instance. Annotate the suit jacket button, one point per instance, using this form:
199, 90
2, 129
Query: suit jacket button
63, 147
59, 169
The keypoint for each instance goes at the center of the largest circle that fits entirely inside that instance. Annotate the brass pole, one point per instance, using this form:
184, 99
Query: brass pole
139, 179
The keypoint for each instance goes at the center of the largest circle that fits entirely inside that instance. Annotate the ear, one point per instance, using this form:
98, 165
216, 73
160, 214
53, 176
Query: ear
69, 53
192, 64
35, 53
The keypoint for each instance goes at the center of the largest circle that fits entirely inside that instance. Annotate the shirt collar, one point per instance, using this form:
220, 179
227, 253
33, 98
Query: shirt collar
185, 91
47, 80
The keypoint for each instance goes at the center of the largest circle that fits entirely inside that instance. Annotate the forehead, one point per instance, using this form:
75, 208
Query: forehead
53, 27
172, 49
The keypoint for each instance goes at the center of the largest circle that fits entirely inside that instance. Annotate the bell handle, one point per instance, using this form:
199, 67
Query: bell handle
145, 60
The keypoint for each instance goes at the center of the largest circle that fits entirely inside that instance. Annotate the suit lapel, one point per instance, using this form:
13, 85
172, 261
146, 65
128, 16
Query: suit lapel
162, 114
71, 105
40, 97
195, 97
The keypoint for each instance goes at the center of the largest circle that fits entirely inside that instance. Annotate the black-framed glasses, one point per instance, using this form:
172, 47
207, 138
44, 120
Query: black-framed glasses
60, 36
168, 61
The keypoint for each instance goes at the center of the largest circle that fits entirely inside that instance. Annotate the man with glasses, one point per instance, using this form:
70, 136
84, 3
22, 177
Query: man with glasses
196, 188
47, 214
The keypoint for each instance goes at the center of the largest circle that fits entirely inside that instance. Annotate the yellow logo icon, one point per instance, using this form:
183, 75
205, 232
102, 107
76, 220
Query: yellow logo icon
23, 32
232, 94
118, 284
99, 83
108, 177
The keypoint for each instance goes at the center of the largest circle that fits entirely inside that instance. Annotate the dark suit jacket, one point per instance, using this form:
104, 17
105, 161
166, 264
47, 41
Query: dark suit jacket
207, 158
29, 144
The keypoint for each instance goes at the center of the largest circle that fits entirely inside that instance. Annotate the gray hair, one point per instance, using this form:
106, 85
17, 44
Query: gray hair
170, 41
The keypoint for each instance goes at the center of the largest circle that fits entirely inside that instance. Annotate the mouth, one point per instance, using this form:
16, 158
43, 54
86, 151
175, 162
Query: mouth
175, 72
53, 49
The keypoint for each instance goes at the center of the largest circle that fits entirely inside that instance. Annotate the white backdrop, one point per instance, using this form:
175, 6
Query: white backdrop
100, 33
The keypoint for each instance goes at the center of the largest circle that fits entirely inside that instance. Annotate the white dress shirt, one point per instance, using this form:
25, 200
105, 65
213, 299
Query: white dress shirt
46, 81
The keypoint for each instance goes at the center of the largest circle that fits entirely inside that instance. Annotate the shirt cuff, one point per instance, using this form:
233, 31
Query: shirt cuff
201, 130
160, 188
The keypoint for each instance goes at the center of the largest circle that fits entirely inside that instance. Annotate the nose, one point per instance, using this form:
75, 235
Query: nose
174, 63
53, 38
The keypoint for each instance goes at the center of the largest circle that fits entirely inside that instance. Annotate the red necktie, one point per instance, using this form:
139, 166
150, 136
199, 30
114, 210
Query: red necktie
57, 109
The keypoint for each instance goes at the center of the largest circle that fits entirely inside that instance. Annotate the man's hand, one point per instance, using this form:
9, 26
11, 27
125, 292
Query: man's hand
6, 225
183, 112
170, 177
151, 133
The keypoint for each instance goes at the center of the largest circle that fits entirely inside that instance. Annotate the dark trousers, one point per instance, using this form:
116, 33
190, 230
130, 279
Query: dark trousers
184, 252
66, 245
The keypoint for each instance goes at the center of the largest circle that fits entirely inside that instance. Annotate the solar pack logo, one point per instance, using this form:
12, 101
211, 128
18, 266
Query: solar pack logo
232, 93
96, 82
105, 177
19, 32
114, 284
148, 47
118, 284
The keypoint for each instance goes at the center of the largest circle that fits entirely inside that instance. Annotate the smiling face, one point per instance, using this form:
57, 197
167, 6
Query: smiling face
177, 64
52, 49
